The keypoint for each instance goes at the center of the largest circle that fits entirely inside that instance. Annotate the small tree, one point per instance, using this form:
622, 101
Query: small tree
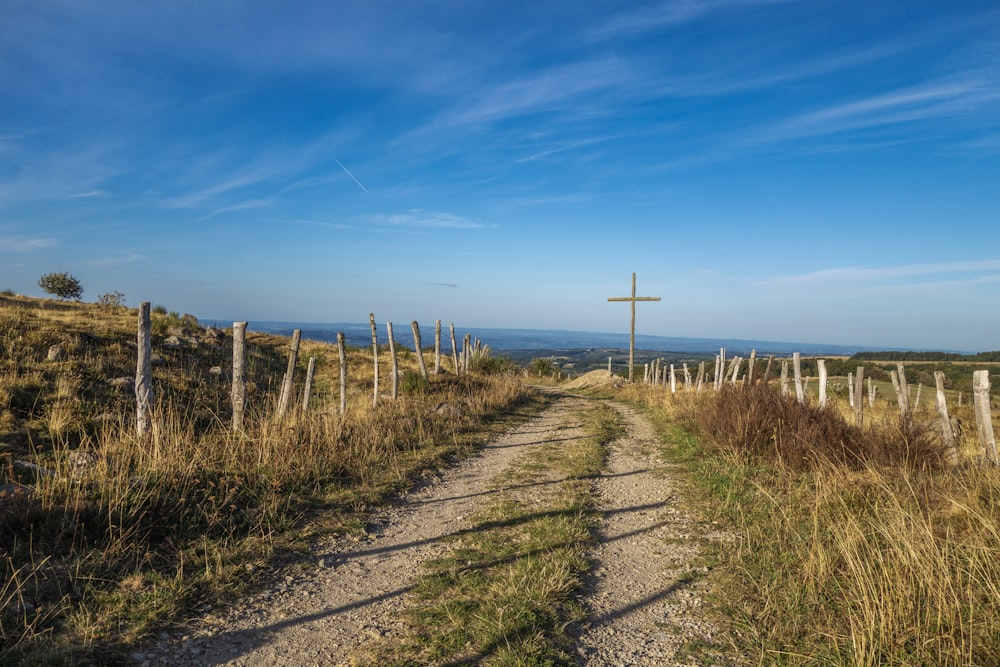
61, 284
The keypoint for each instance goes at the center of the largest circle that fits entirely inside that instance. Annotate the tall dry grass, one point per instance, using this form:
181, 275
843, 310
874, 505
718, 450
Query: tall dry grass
119, 535
855, 546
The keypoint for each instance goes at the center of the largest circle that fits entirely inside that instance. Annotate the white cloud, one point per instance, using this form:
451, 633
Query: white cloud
26, 245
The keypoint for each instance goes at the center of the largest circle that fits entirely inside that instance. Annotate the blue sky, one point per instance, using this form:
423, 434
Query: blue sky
805, 171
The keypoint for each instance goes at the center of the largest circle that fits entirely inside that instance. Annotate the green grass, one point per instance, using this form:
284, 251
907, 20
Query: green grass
507, 590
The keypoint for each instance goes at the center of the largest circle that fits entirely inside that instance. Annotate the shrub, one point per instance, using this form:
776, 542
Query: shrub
412, 382
61, 284
111, 300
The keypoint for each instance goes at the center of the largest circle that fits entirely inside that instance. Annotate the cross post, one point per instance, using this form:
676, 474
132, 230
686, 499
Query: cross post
631, 340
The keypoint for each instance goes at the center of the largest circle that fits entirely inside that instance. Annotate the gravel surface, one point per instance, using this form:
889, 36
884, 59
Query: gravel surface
644, 596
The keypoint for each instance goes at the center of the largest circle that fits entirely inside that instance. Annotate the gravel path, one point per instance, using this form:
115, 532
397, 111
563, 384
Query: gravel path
352, 589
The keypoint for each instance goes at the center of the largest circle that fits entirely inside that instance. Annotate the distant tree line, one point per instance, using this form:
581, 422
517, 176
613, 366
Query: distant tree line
926, 356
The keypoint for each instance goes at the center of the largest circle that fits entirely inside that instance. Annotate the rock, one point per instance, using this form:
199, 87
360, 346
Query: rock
213, 333
191, 322
215, 371
80, 461
122, 383
174, 342
178, 331
55, 353
446, 410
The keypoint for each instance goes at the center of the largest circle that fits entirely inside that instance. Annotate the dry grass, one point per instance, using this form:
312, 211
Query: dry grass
122, 534
856, 546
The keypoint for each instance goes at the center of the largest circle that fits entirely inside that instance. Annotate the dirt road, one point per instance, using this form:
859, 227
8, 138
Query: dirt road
643, 592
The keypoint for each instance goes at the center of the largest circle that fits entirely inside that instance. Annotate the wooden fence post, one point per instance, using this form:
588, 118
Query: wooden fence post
767, 368
673, 380
418, 348
239, 391
800, 394
821, 364
371, 322
737, 362
454, 349
395, 362
859, 404
342, 353
143, 373
904, 396
984, 420
947, 432
701, 376
784, 377
872, 391
466, 353
286, 384
687, 378
309, 384
437, 347
850, 388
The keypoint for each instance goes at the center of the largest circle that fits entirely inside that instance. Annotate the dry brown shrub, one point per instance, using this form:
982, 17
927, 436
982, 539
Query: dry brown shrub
758, 422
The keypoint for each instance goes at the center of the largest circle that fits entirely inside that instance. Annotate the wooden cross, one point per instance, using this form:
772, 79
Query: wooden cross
631, 340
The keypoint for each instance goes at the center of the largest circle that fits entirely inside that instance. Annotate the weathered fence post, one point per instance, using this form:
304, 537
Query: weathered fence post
371, 321
239, 392
286, 384
767, 368
916, 401
309, 384
687, 378
753, 360
946, 430
342, 353
784, 377
984, 420
701, 376
850, 389
609, 365
454, 349
872, 391
466, 353
437, 347
395, 362
737, 362
418, 349
904, 396
143, 373
800, 394
673, 380
859, 404
821, 364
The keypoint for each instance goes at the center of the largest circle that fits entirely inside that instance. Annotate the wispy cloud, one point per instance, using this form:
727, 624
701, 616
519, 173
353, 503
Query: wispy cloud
418, 218
112, 261
26, 245
977, 271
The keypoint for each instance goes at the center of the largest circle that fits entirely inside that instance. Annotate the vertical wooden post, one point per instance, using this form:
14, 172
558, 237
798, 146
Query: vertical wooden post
850, 389
609, 365
767, 368
454, 349
342, 353
687, 378
821, 363
916, 401
737, 362
287, 383
701, 376
437, 347
720, 374
753, 360
872, 390
239, 391
800, 394
371, 321
904, 396
947, 432
309, 384
859, 403
984, 419
143, 373
418, 348
673, 380
645, 373
784, 377
395, 362
466, 353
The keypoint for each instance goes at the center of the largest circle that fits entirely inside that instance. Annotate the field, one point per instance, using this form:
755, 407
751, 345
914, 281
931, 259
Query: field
848, 545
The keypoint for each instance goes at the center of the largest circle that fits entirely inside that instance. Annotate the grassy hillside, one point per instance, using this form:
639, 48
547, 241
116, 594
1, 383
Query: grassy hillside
105, 537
